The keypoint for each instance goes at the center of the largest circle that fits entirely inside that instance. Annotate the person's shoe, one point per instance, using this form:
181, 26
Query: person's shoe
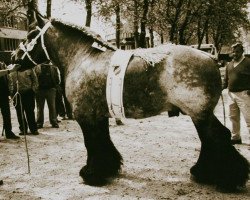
119, 122
22, 133
55, 126
35, 133
62, 117
236, 141
39, 126
1, 182
70, 117
11, 135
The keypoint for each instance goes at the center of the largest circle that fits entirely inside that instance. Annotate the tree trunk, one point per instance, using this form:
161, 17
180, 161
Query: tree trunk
49, 9
207, 37
202, 33
89, 12
151, 32
162, 38
118, 25
136, 26
184, 25
152, 22
143, 24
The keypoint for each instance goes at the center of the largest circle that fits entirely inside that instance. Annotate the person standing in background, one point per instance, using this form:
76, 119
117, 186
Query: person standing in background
4, 72
48, 79
27, 83
4, 100
237, 80
67, 105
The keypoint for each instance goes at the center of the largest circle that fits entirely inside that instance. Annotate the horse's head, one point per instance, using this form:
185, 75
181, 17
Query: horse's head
32, 51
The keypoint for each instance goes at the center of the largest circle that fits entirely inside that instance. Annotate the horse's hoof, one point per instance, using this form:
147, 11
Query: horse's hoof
200, 176
231, 188
90, 178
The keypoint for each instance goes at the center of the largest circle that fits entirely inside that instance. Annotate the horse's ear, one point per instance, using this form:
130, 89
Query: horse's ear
32, 20
35, 18
41, 19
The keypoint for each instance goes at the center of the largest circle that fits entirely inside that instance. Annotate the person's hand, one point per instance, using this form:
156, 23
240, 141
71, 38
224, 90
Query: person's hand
14, 67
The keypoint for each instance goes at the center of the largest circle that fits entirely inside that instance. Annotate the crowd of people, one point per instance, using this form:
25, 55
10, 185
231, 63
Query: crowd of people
29, 88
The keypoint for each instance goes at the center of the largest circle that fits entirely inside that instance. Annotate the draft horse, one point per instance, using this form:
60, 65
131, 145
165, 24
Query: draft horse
164, 78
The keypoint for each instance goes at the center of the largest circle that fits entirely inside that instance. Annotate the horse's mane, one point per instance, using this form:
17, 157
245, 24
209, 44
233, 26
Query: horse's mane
85, 31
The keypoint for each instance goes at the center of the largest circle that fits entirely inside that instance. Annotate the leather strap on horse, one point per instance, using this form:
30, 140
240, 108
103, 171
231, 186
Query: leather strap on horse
115, 80
29, 47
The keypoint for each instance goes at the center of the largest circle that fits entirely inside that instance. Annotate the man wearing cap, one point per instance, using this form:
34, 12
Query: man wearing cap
237, 80
4, 100
4, 72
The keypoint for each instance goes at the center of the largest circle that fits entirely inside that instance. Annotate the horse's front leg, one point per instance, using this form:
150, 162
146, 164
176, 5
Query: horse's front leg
103, 159
219, 162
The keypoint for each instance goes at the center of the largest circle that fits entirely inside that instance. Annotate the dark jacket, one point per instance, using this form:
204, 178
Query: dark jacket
27, 80
4, 87
51, 79
237, 78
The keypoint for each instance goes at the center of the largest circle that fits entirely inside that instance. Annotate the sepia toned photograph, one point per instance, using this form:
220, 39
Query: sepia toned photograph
131, 100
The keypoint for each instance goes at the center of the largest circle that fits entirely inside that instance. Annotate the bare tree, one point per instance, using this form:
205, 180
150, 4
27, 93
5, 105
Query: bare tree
10, 8
143, 24
136, 23
88, 4
118, 25
49, 2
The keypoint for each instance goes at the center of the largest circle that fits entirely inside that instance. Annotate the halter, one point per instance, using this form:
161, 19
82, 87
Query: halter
29, 47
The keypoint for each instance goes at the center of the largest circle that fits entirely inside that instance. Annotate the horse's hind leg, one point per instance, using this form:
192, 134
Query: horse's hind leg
103, 159
219, 162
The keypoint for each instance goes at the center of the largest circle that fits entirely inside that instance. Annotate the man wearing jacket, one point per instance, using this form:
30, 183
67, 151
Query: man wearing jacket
4, 101
237, 80
25, 102
48, 79
6, 115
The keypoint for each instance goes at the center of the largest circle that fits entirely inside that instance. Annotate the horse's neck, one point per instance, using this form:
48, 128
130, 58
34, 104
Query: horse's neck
68, 50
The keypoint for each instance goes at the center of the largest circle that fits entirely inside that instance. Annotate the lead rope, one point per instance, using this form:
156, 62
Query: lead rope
18, 97
224, 112
3, 131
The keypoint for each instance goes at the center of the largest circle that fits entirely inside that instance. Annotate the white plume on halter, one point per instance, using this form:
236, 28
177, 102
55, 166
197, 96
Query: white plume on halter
29, 47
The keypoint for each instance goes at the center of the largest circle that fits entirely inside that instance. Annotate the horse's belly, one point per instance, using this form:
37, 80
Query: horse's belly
143, 94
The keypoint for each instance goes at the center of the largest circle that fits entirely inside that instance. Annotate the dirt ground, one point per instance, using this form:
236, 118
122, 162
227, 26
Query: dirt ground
158, 153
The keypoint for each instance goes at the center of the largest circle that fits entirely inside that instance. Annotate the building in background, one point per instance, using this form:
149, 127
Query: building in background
13, 29
127, 40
